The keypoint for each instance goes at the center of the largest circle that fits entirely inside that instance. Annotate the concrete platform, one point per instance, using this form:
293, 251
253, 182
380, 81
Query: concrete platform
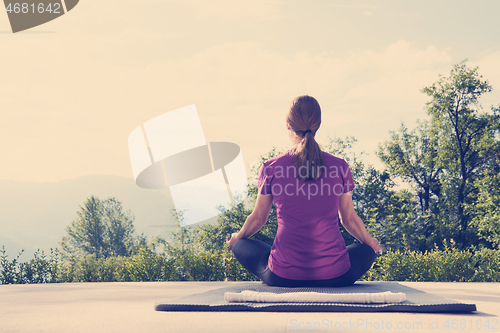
129, 307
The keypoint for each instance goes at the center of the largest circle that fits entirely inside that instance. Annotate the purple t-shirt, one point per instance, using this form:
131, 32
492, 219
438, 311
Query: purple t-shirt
308, 243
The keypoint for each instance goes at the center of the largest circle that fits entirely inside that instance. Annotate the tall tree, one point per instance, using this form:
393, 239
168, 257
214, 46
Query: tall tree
101, 228
466, 137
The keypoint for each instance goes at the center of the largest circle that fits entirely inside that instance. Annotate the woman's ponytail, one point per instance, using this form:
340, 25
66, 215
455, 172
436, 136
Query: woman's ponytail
304, 119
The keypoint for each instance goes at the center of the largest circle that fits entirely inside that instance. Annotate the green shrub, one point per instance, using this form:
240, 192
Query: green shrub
449, 265
89, 268
147, 265
40, 269
194, 263
8, 272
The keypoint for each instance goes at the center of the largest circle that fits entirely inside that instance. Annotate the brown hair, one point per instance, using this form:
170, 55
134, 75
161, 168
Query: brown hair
304, 119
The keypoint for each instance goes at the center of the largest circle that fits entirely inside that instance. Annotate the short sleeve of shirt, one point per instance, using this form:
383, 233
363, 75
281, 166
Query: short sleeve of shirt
347, 178
264, 181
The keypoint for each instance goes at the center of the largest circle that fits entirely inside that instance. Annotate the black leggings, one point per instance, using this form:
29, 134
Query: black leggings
254, 254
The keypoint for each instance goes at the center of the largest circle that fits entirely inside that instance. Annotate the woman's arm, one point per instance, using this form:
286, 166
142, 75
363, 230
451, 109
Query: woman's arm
353, 223
255, 221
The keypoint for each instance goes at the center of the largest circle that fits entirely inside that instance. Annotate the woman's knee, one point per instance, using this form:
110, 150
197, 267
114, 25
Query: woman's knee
251, 253
240, 249
246, 246
362, 257
237, 246
362, 250
370, 252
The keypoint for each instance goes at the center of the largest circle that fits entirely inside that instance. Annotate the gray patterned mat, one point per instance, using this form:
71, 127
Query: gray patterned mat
416, 300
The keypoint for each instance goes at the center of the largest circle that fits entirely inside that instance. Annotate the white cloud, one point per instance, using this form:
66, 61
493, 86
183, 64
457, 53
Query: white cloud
398, 72
241, 89
247, 67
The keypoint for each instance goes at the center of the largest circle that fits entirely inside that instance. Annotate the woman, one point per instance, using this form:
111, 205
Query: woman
309, 189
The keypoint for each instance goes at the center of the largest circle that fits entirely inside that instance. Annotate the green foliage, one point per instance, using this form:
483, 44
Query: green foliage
201, 265
465, 144
412, 156
102, 229
445, 160
448, 265
394, 224
40, 269
8, 273
91, 268
486, 208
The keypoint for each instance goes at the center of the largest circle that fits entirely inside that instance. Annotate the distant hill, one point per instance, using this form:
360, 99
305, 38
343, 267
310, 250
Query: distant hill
34, 215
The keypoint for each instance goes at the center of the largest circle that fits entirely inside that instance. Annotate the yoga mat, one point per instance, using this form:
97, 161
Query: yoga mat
416, 300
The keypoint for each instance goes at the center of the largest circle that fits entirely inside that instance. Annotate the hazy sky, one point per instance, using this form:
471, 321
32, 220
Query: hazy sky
73, 89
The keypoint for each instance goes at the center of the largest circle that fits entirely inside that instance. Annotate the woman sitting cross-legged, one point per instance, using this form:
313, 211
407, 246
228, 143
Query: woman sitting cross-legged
310, 188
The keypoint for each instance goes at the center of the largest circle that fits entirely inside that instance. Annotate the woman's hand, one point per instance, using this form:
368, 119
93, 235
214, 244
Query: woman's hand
231, 240
374, 244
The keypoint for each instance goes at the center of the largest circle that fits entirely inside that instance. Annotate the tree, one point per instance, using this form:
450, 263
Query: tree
412, 156
102, 228
466, 140
119, 228
446, 157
